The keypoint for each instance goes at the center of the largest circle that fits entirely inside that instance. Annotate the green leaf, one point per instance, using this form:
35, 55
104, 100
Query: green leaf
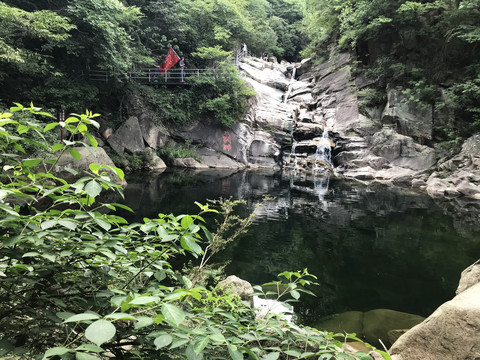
271, 356
120, 316
50, 126
75, 154
90, 347
201, 344
92, 140
217, 338
173, 314
142, 300
48, 224
57, 147
93, 188
187, 220
68, 224
56, 351
116, 170
83, 356
100, 331
235, 354
143, 321
94, 168
295, 294
103, 224
82, 317
31, 162
163, 341
179, 343
191, 354
188, 243
294, 353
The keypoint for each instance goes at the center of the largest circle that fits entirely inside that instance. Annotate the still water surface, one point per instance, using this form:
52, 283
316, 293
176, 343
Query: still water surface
370, 246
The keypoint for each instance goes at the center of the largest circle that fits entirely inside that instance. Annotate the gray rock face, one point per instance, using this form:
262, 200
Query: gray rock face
155, 163
89, 156
470, 277
153, 135
371, 325
127, 138
410, 118
188, 163
237, 286
459, 175
451, 332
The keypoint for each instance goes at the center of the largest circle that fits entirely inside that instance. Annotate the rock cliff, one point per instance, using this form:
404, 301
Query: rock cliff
311, 117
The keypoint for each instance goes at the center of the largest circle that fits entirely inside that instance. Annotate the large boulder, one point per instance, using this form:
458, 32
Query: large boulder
372, 326
459, 175
154, 136
402, 151
470, 277
154, 163
189, 163
237, 286
451, 332
128, 137
88, 156
233, 141
215, 159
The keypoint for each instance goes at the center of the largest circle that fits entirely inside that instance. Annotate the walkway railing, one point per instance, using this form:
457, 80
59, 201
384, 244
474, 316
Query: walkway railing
154, 75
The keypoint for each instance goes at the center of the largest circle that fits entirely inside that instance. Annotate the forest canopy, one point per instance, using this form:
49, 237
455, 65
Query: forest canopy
428, 48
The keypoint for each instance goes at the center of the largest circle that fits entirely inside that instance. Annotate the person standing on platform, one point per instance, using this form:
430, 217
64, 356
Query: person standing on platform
182, 69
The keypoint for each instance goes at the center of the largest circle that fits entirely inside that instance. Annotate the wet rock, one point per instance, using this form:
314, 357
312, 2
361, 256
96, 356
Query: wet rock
470, 277
188, 163
451, 332
410, 118
370, 326
88, 156
153, 135
154, 163
127, 138
214, 159
237, 286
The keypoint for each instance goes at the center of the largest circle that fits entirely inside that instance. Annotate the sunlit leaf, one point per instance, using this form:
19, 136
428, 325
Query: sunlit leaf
173, 313
75, 154
82, 317
100, 331
56, 351
162, 341
142, 300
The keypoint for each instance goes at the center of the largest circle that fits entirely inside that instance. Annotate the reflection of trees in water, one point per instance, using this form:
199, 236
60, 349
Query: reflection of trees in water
371, 246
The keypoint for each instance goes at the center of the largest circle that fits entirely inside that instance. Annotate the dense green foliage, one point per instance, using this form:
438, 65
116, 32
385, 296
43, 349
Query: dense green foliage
48, 48
79, 282
427, 48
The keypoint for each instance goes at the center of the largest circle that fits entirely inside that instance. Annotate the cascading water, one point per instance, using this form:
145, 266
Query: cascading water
321, 186
323, 149
289, 90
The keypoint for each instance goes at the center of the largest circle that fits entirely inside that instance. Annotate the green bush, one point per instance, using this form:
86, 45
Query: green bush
78, 281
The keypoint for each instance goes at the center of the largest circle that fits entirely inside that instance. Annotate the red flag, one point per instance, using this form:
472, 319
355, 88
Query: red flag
170, 60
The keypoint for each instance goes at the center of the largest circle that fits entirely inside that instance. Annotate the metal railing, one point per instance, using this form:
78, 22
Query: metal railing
155, 75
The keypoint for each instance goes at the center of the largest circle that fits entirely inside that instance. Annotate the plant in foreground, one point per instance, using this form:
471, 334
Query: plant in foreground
79, 282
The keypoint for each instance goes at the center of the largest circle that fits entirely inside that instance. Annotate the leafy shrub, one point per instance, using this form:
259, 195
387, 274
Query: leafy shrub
172, 152
78, 281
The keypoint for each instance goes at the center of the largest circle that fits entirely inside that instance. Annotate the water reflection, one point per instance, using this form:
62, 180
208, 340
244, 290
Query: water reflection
370, 246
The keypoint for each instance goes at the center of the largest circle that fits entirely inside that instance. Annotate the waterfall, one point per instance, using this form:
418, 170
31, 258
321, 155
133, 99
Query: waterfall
289, 90
321, 186
323, 149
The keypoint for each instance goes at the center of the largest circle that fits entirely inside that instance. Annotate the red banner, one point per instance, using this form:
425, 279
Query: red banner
170, 60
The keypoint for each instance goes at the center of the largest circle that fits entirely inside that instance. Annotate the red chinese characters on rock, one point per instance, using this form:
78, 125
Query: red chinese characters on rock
227, 141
